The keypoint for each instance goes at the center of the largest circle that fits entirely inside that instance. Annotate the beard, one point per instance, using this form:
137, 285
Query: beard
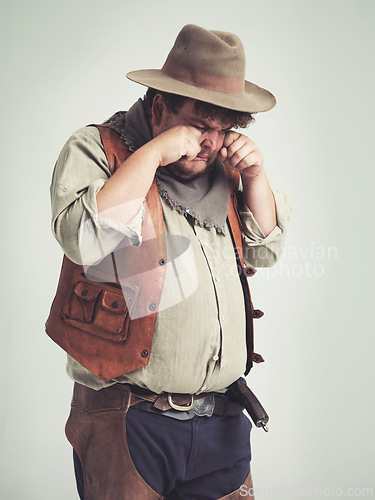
185, 170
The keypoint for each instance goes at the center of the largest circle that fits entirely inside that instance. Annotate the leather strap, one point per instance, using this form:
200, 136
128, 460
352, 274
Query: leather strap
233, 214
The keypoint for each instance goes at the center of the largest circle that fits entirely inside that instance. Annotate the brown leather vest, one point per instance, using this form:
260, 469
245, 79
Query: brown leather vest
104, 315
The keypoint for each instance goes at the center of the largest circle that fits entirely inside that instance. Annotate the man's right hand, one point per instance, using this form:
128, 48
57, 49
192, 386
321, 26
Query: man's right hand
175, 143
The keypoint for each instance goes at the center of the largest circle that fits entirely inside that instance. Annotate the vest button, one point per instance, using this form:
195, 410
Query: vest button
152, 307
250, 271
257, 358
84, 292
161, 262
144, 353
115, 304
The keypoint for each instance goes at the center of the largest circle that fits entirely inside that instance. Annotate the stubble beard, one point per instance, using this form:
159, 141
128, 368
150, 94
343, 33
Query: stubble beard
186, 171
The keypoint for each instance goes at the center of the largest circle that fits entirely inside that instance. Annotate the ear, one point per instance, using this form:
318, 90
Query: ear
158, 109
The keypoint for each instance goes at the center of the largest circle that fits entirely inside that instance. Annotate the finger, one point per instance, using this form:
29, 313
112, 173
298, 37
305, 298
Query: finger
240, 147
191, 143
223, 154
250, 160
192, 150
230, 137
195, 131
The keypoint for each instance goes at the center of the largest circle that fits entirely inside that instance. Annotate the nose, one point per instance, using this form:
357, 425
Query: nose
210, 138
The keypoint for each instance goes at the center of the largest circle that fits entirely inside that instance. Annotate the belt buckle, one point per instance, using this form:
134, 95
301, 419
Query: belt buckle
180, 407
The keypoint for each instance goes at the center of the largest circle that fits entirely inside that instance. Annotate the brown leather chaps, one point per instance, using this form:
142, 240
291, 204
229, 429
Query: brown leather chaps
96, 429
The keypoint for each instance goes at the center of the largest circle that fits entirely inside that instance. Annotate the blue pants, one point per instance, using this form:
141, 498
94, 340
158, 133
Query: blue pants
199, 459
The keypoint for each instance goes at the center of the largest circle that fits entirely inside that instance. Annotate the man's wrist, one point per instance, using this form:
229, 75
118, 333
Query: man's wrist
151, 154
254, 179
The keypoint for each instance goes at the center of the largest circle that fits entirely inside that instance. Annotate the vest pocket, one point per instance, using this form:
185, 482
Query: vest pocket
111, 312
82, 304
101, 310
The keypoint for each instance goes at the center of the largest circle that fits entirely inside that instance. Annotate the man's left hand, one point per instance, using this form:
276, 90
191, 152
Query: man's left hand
241, 154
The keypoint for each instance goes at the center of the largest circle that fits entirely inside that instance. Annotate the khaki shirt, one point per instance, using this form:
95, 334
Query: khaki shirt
199, 341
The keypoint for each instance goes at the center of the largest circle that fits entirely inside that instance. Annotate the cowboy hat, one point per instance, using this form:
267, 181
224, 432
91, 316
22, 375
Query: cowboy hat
208, 66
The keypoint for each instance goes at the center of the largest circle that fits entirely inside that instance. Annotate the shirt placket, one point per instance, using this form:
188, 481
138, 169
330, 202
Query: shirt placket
212, 253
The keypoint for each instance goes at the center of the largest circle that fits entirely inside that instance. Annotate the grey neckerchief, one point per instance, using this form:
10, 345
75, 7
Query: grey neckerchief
205, 198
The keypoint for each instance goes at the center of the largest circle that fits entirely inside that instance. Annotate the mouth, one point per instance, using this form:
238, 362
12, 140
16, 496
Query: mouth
201, 158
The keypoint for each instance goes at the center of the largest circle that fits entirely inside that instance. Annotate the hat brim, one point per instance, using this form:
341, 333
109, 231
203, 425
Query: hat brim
253, 100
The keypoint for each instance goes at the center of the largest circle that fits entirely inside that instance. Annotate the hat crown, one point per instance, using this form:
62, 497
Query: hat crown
214, 60
216, 52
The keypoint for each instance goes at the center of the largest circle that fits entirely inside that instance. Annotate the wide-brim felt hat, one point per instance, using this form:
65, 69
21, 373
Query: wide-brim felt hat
208, 66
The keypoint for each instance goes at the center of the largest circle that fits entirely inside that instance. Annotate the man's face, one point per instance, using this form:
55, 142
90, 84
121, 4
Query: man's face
211, 140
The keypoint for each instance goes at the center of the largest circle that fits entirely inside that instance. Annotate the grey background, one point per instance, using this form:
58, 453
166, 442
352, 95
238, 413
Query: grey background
63, 66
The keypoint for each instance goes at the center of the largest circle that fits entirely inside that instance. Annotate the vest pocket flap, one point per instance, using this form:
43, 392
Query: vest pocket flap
113, 302
86, 291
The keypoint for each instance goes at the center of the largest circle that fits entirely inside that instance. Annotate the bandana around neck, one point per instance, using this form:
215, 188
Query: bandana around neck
204, 198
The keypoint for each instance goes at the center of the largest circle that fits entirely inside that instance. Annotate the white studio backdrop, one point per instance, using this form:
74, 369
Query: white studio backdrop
64, 66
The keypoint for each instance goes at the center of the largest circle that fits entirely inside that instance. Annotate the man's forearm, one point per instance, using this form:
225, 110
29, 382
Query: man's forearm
119, 198
260, 200
240, 153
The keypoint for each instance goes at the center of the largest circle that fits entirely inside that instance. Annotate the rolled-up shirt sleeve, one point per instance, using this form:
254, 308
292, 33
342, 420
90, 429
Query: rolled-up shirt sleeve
80, 172
260, 250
